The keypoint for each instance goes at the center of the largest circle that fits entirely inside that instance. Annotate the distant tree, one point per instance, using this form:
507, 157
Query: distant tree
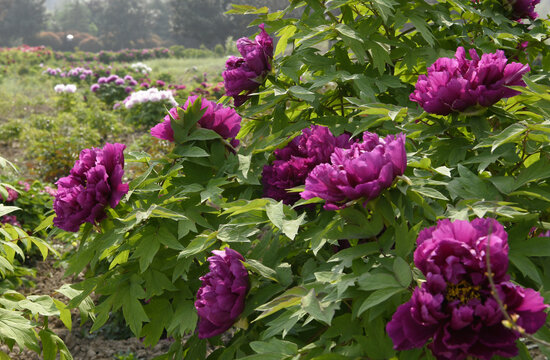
159, 14
21, 20
196, 22
120, 23
73, 16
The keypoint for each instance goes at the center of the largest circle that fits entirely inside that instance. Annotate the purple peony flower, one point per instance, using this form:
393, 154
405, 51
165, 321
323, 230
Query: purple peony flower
362, 171
225, 121
95, 182
246, 73
220, 300
10, 219
12, 194
458, 84
523, 9
454, 307
294, 162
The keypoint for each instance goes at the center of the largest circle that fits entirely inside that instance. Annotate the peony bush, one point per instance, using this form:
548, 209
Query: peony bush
365, 195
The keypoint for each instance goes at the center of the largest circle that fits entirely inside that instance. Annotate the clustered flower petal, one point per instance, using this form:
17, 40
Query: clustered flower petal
456, 84
149, 95
10, 219
61, 88
246, 73
454, 307
141, 68
294, 162
225, 121
360, 172
12, 195
95, 182
220, 300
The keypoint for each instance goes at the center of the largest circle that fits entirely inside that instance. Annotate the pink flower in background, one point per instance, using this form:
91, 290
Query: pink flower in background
12, 194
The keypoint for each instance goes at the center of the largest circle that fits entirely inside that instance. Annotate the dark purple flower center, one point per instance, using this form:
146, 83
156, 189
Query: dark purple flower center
463, 292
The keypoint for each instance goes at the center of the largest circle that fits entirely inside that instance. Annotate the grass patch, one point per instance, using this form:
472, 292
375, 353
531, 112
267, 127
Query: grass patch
183, 70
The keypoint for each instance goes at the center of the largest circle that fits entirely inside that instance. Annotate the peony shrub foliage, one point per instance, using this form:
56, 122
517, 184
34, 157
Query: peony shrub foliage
419, 178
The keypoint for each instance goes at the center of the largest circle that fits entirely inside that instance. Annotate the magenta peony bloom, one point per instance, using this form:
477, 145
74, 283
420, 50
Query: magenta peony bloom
12, 194
246, 73
225, 121
454, 307
95, 182
10, 219
523, 9
458, 84
220, 300
26, 185
362, 171
294, 162
94, 87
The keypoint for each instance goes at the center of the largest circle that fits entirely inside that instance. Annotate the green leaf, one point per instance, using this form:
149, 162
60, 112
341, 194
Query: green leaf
429, 192
15, 327
312, 306
402, 271
133, 311
274, 346
49, 348
507, 135
377, 297
236, 232
284, 34
537, 246
160, 312
184, 318
346, 256
146, 250
537, 171
525, 266
376, 281
261, 269
291, 227
289, 298
422, 27
302, 93
39, 304
275, 213
345, 30
4, 210
64, 314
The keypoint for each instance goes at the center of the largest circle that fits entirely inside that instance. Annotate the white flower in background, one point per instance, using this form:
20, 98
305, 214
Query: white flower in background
149, 95
141, 67
61, 88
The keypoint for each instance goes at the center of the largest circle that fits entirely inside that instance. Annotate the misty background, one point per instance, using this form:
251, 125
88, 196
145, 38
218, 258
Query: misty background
116, 24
